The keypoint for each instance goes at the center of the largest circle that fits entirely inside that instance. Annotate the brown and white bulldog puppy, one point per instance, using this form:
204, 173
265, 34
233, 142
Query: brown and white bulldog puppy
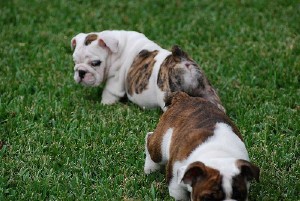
131, 64
204, 153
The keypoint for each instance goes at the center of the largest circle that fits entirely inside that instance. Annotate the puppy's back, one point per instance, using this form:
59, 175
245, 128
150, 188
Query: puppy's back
194, 112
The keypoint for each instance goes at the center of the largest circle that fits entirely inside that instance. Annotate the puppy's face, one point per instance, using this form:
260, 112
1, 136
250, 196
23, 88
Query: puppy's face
90, 59
209, 184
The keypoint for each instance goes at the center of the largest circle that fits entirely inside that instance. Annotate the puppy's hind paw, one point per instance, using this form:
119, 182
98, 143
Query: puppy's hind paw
151, 167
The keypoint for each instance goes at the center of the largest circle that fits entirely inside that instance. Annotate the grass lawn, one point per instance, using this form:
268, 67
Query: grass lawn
57, 142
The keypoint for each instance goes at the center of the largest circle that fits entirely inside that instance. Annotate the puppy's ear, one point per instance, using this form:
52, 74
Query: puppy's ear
73, 43
178, 52
78, 40
248, 170
194, 172
108, 41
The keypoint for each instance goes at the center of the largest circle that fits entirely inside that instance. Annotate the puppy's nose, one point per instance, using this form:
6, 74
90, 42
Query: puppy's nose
81, 73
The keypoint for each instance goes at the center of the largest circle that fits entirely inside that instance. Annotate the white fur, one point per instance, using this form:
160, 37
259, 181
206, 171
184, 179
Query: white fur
117, 58
190, 77
150, 165
220, 152
165, 146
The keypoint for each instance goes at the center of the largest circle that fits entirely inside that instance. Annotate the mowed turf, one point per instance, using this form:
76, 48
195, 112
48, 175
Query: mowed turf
57, 142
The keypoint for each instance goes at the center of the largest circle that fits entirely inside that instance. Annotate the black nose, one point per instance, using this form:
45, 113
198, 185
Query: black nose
81, 73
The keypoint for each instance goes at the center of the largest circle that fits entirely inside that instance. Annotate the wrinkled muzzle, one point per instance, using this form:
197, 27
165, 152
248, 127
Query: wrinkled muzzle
87, 76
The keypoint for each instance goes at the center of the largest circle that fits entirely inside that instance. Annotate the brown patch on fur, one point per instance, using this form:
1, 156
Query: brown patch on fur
178, 67
140, 71
90, 38
193, 120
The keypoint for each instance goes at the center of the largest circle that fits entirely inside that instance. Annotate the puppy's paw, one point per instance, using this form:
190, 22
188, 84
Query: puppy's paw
177, 192
150, 167
108, 98
107, 101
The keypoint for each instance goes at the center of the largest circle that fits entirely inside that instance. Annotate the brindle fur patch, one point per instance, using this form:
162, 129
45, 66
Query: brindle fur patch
140, 72
90, 38
193, 120
176, 68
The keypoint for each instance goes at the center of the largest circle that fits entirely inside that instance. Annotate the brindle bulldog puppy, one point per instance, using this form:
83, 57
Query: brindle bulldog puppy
204, 153
132, 65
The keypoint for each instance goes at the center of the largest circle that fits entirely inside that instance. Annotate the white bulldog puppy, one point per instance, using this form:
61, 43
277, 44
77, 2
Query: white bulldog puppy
132, 65
204, 153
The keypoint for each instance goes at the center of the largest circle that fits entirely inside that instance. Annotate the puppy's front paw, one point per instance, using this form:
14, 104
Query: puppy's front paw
108, 98
177, 192
108, 101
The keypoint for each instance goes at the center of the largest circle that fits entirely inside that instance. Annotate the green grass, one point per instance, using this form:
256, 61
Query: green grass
60, 143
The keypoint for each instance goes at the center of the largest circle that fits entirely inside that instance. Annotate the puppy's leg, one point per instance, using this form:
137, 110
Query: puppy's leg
177, 191
150, 165
114, 89
108, 98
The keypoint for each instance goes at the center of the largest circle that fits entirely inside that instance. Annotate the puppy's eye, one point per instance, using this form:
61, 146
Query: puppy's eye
96, 63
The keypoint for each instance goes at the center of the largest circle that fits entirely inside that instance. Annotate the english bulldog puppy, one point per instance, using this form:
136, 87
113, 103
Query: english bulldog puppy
132, 65
204, 153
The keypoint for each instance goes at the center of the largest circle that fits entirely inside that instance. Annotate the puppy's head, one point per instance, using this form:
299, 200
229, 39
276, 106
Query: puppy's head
230, 182
185, 75
91, 52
